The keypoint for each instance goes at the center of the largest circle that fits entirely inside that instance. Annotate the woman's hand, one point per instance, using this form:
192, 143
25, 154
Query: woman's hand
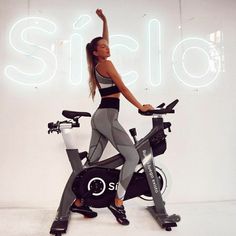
100, 14
147, 107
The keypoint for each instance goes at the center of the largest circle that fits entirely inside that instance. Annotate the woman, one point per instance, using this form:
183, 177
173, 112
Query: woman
104, 122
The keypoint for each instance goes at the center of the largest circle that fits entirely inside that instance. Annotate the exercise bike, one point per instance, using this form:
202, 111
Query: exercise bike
96, 183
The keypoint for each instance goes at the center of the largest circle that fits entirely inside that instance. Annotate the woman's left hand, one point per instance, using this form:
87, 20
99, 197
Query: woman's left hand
100, 14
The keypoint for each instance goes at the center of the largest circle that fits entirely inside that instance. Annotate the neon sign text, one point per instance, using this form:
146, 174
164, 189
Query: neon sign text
195, 61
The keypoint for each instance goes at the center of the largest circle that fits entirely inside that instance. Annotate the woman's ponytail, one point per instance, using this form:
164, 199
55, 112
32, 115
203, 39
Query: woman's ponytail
92, 62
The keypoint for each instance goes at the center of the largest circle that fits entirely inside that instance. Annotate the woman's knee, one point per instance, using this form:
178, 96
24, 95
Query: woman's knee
132, 156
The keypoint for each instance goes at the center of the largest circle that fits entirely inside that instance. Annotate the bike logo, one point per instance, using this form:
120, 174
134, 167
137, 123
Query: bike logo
98, 186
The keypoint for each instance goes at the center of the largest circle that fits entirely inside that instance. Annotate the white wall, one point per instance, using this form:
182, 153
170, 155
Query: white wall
200, 159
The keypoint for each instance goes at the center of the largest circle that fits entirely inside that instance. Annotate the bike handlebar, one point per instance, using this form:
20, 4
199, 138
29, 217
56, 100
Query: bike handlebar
161, 110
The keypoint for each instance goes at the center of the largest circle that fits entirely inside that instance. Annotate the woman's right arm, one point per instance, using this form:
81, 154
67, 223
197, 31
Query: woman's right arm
111, 70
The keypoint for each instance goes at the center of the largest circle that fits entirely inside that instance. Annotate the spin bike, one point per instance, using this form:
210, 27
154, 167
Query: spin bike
96, 183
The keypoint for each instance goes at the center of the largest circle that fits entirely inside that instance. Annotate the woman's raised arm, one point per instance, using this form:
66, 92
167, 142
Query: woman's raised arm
105, 33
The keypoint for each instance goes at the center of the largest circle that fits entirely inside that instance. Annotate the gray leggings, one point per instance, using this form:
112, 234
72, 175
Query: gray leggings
105, 126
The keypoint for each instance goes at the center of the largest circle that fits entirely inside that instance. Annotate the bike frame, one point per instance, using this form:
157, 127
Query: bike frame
144, 149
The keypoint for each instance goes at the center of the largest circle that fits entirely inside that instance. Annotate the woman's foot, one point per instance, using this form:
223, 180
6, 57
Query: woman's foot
118, 210
83, 209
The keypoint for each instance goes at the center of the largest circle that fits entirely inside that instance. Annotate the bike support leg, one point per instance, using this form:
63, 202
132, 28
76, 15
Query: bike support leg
63, 213
158, 211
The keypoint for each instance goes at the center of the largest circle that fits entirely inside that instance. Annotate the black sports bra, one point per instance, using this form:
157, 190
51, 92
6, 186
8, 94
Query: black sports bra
106, 85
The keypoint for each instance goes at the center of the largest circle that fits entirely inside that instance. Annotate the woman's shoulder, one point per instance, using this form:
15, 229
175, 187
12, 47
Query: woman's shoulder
105, 65
109, 65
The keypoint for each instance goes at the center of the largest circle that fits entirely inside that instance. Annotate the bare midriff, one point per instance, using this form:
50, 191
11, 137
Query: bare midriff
116, 95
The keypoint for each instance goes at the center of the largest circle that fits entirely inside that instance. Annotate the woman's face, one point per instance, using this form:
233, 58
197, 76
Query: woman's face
103, 50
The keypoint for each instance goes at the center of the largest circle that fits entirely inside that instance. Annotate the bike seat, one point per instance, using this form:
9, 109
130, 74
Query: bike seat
75, 114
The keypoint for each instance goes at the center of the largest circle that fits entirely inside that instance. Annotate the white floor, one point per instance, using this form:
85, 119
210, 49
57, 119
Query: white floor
200, 219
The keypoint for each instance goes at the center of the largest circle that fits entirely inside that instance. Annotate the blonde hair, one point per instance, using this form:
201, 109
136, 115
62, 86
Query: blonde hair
92, 62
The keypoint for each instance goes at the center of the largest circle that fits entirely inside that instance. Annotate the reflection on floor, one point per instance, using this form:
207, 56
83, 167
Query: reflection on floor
200, 219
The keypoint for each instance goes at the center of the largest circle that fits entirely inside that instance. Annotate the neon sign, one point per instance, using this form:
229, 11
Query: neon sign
125, 43
39, 64
154, 52
44, 60
207, 51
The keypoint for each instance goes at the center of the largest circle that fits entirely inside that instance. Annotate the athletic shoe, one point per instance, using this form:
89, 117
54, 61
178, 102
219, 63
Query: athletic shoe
119, 213
84, 210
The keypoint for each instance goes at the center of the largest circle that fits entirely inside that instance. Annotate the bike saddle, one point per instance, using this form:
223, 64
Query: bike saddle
75, 114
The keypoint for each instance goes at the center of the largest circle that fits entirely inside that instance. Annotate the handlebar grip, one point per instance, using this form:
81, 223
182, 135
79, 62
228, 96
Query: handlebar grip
156, 112
161, 105
172, 105
161, 110
146, 113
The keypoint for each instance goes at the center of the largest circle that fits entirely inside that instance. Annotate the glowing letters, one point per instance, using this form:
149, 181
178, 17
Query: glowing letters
154, 49
77, 53
124, 43
43, 61
82, 22
195, 61
207, 51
